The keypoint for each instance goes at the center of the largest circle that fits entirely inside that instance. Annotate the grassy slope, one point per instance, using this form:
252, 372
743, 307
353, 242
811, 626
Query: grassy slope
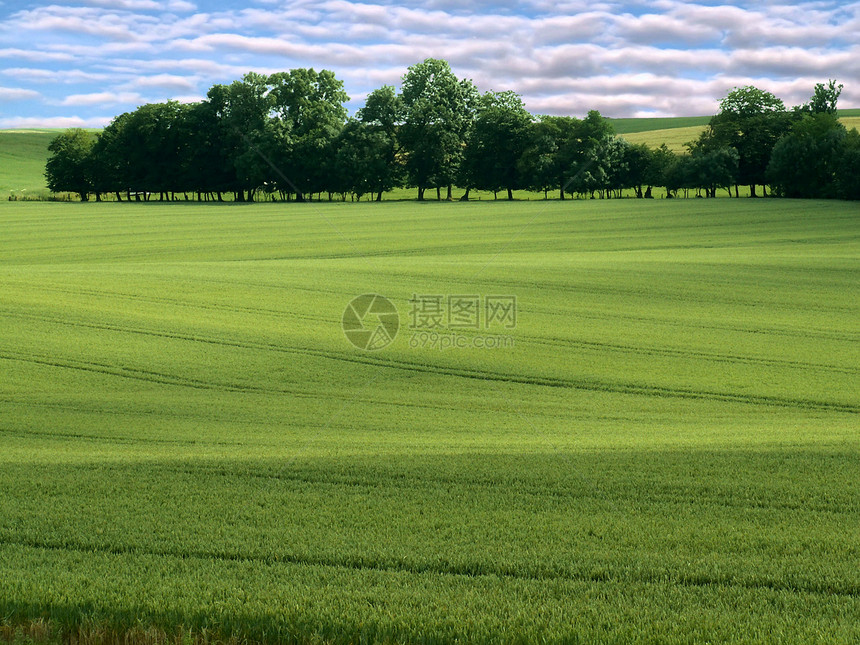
669, 452
628, 125
22, 160
675, 138
676, 132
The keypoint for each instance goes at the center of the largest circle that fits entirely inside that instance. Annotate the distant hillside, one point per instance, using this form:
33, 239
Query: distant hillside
22, 160
674, 138
626, 126
676, 132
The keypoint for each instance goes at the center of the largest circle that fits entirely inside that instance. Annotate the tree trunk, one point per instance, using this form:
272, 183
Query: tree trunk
561, 193
420, 194
752, 191
465, 196
379, 196
510, 195
450, 196
118, 196
438, 194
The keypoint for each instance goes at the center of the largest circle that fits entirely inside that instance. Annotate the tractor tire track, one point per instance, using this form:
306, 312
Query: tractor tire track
446, 568
592, 385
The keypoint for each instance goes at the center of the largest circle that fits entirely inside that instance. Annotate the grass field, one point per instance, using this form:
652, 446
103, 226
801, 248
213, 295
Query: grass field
630, 125
676, 139
669, 452
23, 154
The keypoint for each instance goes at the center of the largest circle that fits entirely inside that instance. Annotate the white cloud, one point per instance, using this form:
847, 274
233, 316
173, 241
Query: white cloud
564, 56
170, 82
101, 98
35, 55
41, 75
17, 94
181, 6
127, 5
55, 122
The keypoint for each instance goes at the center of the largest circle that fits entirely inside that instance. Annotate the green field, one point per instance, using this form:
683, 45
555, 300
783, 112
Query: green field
630, 125
676, 139
669, 452
22, 161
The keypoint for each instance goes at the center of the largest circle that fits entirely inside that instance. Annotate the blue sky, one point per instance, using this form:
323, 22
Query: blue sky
81, 63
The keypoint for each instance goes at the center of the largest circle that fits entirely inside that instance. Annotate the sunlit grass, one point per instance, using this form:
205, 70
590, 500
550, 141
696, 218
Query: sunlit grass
668, 452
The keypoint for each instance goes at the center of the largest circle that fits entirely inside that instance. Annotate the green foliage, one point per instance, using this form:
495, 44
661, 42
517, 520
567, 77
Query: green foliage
69, 166
805, 162
438, 111
382, 109
751, 121
364, 160
668, 452
496, 143
823, 99
286, 135
749, 101
848, 172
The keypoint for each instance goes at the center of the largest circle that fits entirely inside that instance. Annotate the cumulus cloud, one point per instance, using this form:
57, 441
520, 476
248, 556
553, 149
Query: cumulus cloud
42, 75
565, 56
168, 82
55, 122
101, 98
17, 94
35, 55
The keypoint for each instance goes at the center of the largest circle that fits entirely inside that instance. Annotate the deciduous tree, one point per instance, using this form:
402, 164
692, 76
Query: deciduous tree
69, 166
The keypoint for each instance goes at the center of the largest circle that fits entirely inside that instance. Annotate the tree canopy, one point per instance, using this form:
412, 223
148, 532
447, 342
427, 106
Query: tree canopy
288, 135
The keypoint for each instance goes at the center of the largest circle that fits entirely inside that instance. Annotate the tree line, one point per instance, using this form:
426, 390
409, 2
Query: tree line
288, 136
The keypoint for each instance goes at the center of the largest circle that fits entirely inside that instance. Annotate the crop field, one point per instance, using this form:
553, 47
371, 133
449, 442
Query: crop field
22, 161
676, 139
661, 446
630, 125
